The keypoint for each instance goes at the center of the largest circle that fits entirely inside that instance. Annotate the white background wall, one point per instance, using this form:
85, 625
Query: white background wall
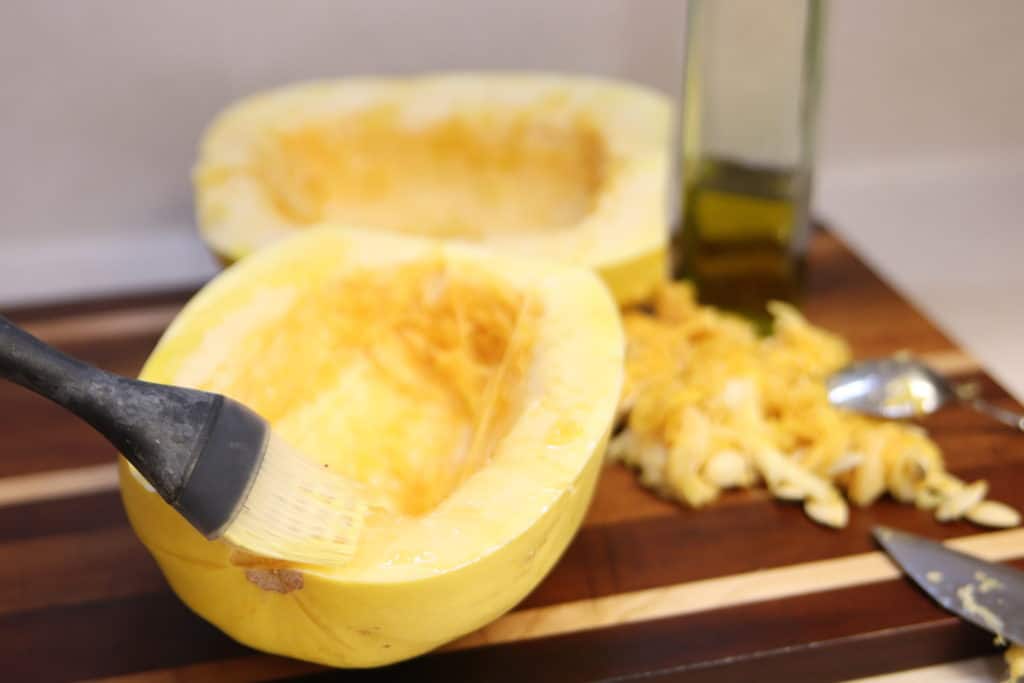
104, 100
922, 150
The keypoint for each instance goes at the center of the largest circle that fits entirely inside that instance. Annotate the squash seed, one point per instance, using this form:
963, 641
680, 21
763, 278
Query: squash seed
844, 463
831, 512
927, 498
868, 481
957, 504
787, 490
994, 514
728, 469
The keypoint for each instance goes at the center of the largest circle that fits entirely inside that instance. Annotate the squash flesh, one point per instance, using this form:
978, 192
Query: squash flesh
406, 377
482, 170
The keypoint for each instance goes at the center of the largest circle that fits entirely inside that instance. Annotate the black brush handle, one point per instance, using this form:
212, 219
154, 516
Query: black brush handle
159, 429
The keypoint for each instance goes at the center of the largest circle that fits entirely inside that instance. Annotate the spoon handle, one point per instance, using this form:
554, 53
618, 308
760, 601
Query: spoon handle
1007, 417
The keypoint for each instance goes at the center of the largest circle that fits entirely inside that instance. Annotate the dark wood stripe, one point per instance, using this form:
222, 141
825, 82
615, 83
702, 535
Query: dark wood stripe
731, 539
63, 570
61, 517
48, 439
107, 637
966, 423
992, 450
847, 297
39, 436
24, 315
124, 355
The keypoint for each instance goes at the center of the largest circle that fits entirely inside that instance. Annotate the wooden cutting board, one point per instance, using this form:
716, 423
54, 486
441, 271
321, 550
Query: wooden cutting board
746, 590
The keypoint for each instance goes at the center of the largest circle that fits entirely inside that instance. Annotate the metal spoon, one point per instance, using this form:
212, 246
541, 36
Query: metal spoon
900, 388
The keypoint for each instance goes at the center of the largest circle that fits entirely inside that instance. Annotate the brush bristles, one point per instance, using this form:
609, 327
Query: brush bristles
298, 510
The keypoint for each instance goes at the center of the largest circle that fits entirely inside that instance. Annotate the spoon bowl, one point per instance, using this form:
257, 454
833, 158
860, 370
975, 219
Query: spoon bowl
901, 388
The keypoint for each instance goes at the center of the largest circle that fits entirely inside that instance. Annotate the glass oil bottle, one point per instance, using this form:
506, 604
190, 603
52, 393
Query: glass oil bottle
750, 104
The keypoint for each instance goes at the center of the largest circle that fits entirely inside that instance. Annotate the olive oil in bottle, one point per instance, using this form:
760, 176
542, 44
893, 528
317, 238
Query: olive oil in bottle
744, 238
749, 109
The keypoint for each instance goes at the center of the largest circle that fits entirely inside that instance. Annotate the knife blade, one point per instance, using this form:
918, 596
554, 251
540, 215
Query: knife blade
986, 594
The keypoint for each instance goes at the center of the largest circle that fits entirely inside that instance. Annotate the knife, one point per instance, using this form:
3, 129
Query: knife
986, 594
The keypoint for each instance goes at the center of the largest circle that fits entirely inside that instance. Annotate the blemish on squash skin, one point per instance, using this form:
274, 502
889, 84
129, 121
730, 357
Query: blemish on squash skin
276, 580
269, 574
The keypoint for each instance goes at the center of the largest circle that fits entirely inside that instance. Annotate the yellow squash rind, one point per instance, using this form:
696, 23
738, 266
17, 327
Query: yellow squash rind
511, 519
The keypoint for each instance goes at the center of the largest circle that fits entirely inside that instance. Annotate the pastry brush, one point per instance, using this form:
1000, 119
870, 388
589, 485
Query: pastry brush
213, 459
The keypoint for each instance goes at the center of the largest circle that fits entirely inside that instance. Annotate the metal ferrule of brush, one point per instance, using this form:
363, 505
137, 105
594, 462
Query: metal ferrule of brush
220, 480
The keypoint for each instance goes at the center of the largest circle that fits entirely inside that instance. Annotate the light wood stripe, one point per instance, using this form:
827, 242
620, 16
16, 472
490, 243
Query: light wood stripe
624, 608
952, 362
717, 593
55, 484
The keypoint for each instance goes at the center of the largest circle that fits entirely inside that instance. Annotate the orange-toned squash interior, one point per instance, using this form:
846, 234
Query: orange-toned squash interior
474, 171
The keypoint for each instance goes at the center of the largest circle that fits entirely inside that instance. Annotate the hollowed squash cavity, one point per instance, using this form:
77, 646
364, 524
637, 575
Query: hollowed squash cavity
571, 169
